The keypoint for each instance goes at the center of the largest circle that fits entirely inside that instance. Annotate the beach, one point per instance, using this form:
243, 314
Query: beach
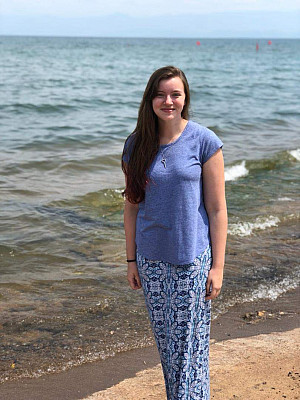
254, 354
260, 367
70, 325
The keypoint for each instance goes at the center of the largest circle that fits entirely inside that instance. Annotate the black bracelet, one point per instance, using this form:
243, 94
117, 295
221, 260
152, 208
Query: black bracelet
131, 260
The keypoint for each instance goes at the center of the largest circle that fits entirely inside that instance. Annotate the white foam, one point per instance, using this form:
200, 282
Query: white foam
246, 228
292, 216
266, 292
285, 199
236, 171
295, 154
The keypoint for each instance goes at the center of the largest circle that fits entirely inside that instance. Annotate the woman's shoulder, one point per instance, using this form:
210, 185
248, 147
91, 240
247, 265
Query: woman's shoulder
204, 134
128, 147
130, 138
201, 130
131, 135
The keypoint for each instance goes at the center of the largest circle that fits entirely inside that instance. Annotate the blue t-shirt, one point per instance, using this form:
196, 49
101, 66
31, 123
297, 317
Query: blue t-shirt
172, 223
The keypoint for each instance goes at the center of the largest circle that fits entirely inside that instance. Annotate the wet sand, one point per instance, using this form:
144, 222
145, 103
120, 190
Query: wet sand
254, 354
260, 367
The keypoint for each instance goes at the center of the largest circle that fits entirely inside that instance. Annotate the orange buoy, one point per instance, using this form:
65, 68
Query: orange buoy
198, 43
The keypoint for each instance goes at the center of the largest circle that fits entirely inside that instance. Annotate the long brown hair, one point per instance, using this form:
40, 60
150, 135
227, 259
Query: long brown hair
143, 142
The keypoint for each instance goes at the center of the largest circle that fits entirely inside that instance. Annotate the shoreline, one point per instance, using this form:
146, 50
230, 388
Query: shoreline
264, 367
247, 320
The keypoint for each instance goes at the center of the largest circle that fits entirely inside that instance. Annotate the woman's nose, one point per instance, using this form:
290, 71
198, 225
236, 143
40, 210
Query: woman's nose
168, 100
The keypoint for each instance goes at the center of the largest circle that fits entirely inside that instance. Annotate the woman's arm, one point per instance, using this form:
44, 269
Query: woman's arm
215, 204
130, 213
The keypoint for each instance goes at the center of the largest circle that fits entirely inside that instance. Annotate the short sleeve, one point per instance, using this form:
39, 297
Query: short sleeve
210, 143
127, 150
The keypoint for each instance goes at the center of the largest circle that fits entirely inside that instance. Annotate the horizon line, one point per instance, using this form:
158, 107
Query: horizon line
151, 37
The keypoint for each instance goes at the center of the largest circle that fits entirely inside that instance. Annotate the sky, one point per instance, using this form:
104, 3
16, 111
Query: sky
140, 8
152, 18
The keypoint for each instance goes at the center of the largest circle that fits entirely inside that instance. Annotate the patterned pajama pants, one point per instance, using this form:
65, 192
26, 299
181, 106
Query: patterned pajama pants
180, 320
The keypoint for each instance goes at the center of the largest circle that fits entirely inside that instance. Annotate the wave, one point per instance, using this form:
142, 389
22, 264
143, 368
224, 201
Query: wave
106, 200
288, 113
285, 199
52, 141
59, 165
246, 228
236, 171
74, 104
64, 128
295, 154
40, 108
244, 168
264, 291
267, 290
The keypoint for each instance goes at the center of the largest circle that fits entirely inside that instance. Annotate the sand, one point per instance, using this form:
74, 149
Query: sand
254, 354
262, 367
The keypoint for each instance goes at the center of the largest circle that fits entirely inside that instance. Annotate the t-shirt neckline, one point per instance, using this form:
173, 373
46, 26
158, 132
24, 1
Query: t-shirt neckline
163, 146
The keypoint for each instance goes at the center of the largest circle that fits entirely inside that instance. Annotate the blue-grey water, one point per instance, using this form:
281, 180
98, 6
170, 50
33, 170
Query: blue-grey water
66, 107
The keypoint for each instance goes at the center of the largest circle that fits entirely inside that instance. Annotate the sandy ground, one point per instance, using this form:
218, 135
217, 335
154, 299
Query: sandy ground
262, 367
248, 360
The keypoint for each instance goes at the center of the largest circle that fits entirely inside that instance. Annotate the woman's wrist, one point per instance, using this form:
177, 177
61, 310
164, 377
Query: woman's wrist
216, 266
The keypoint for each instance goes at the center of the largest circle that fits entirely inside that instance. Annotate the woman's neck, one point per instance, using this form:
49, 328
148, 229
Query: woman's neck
170, 130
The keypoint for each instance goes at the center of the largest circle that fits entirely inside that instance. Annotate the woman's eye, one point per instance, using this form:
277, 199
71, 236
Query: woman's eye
160, 95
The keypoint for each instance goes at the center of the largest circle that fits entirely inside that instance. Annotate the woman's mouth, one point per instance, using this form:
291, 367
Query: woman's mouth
167, 110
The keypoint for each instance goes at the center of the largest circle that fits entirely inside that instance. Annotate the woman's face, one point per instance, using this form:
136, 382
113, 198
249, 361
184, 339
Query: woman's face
169, 100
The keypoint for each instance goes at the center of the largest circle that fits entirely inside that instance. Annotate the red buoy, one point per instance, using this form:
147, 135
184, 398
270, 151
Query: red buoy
198, 43
269, 41
257, 47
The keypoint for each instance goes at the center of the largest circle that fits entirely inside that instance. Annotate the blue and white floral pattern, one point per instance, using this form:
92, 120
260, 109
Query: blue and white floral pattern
180, 319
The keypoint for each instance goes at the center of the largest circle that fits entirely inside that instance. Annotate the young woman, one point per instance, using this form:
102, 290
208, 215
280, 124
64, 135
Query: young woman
175, 220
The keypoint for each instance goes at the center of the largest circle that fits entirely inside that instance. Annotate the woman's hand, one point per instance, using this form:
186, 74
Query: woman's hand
133, 276
214, 283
